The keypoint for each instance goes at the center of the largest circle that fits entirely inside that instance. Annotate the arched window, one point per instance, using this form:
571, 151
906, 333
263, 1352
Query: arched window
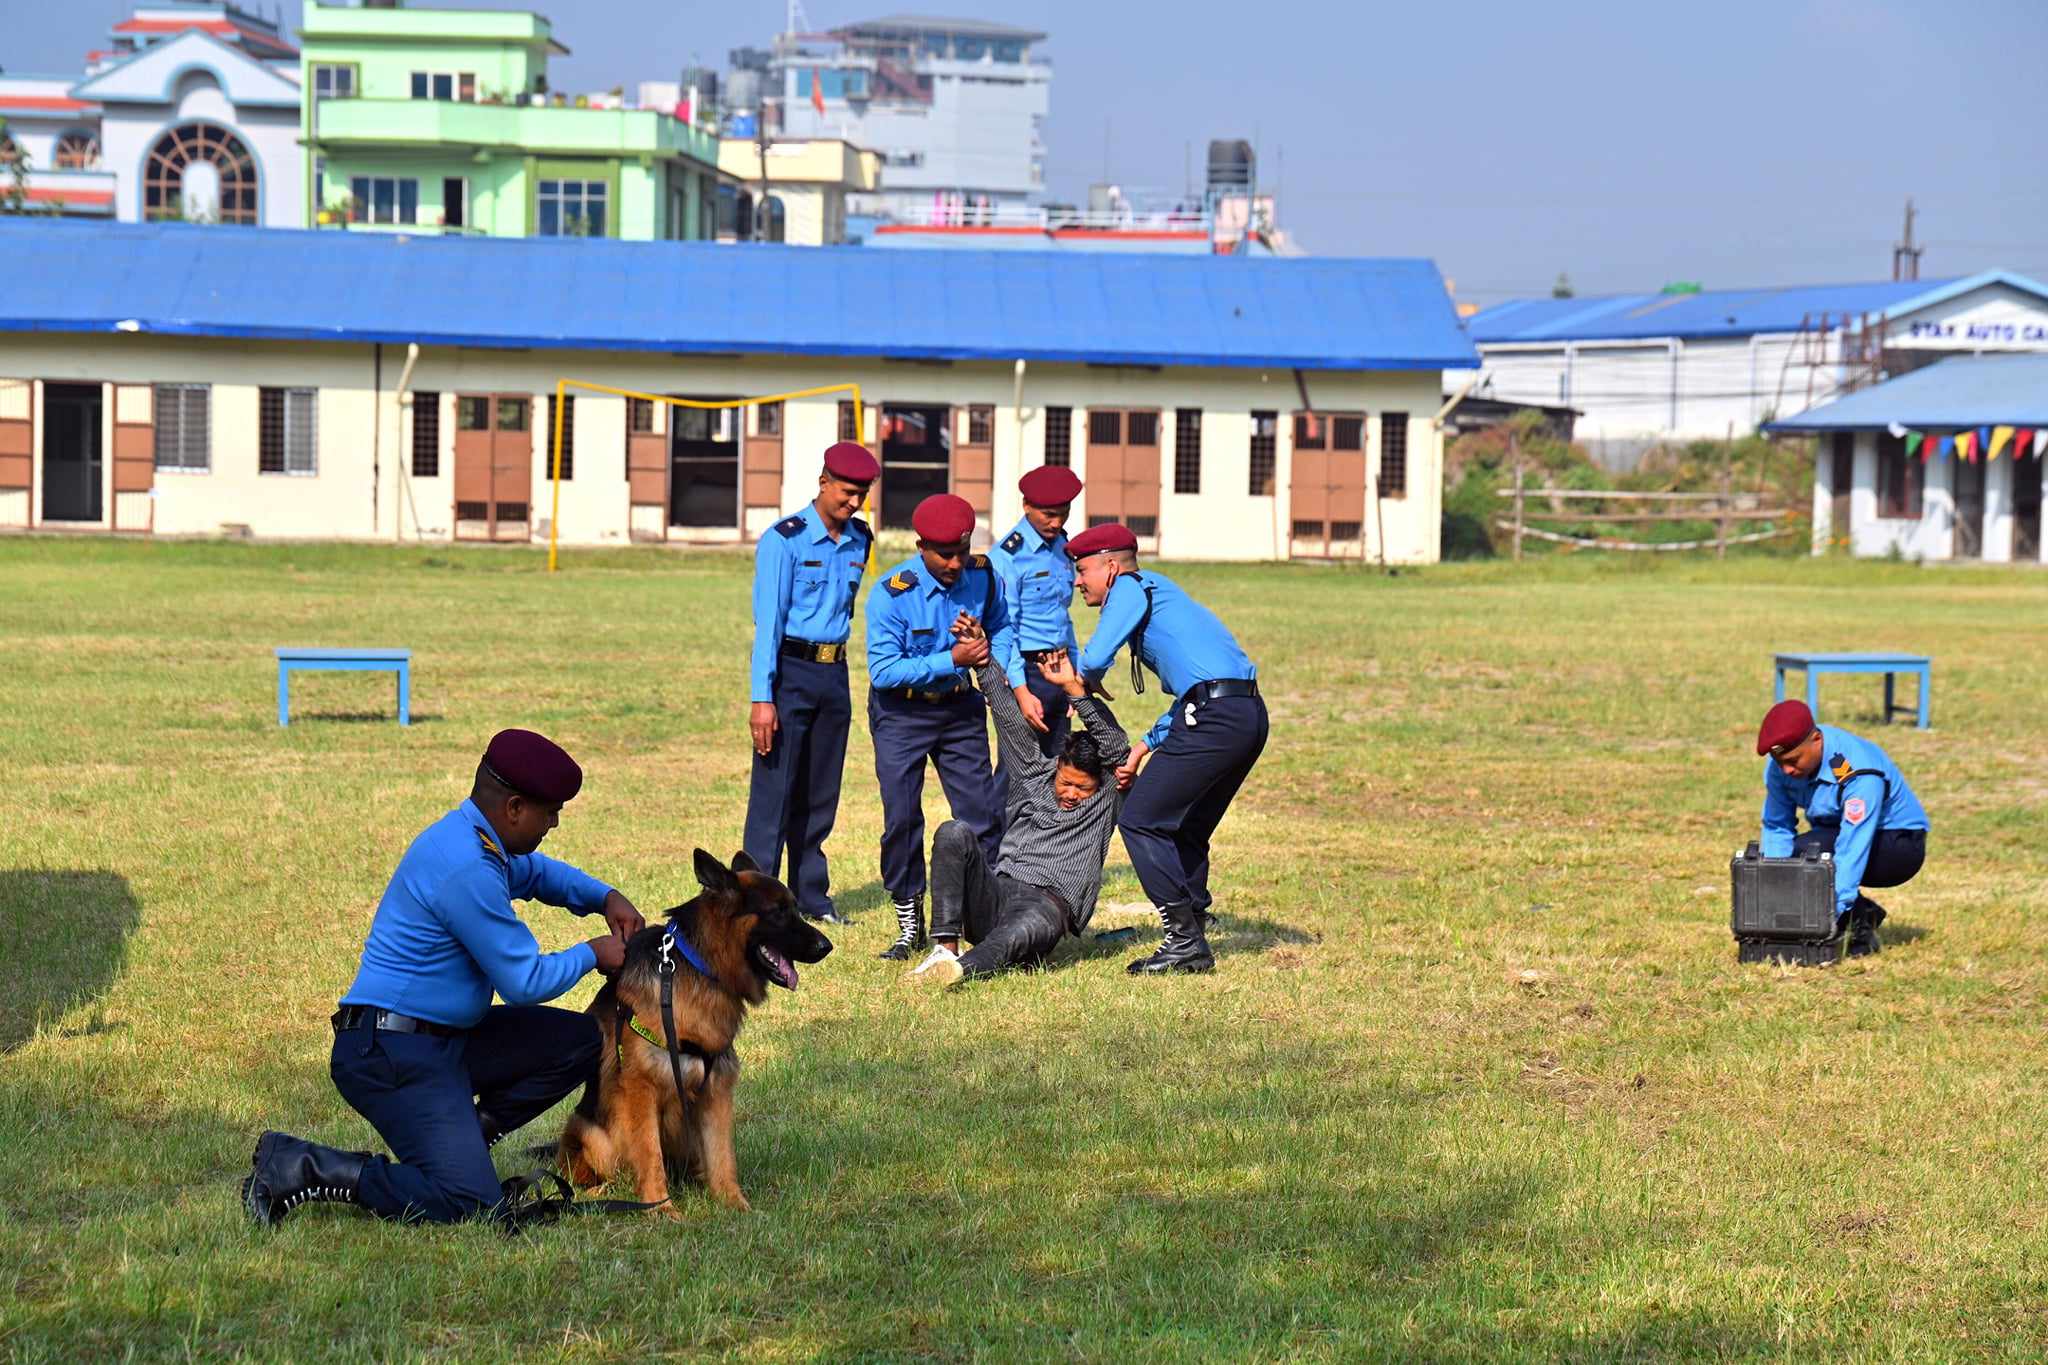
230, 197
10, 150
773, 220
77, 151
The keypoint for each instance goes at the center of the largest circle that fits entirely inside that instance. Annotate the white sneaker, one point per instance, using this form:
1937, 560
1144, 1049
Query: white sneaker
939, 953
941, 969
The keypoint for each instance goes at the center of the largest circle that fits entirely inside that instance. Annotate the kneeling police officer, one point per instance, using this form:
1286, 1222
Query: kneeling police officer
419, 1050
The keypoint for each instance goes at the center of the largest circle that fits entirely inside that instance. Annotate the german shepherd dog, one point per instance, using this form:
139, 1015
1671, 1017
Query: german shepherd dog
745, 929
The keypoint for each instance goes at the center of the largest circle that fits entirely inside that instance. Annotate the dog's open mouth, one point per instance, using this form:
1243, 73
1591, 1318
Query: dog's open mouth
775, 966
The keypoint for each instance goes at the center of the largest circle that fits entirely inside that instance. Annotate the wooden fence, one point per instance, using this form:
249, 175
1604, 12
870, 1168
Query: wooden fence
1724, 509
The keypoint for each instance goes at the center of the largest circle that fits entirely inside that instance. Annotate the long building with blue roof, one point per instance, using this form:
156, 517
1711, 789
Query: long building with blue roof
177, 379
1641, 369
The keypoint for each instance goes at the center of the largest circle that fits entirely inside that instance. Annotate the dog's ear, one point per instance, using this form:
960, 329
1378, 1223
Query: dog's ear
742, 863
713, 875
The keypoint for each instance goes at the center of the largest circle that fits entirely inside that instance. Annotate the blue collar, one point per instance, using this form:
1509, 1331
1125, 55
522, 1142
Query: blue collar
674, 940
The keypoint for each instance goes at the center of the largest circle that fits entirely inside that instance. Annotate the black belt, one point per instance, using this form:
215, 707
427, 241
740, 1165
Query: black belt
357, 1016
1040, 655
914, 694
817, 654
1221, 687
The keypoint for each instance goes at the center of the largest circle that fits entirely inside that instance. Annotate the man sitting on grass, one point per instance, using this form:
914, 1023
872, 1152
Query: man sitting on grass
1060, 812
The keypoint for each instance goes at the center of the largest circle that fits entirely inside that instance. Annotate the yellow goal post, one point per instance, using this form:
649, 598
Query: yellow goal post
562, 387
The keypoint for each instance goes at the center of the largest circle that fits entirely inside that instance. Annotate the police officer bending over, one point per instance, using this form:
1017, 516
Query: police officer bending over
1055, 836
1202, 748
1858, 807
921, 704
807, 572
1038, 584
419, 1050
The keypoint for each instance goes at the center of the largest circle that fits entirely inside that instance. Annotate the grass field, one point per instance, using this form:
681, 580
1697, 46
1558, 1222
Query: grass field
1477, 1075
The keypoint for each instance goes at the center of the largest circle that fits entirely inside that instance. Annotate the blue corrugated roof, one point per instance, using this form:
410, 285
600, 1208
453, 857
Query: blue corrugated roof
1718, 312
1963, 391
1319, 313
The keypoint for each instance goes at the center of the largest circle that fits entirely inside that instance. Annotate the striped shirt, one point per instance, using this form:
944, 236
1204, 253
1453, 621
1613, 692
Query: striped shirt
1060, 851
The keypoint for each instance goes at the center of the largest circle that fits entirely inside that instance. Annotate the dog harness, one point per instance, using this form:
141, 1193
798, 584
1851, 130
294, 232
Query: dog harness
673, 944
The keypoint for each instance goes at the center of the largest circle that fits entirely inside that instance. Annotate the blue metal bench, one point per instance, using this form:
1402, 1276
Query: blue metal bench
397, 661
1891, 665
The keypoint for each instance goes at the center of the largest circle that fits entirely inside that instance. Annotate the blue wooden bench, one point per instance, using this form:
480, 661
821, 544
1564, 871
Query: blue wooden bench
397, 661
1891, 665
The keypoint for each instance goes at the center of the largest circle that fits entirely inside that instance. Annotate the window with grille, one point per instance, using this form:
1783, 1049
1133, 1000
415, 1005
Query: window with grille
1347, 433
981, 426
568, 402
1059, 436
1308, 530
426, 435
1141, 429
1265, 441
1187, 450
1105, 427
1308, 431
472, 413
77, 152
1899, 491
640, 416
849, 430
1345, 530
234, 174
286, 432
184, 426
1393, 454
768, 419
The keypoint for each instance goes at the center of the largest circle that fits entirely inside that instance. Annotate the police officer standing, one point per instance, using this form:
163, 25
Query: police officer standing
1858, 808
807, 571
419, 1050
1202, 748
922, 703
1038, 581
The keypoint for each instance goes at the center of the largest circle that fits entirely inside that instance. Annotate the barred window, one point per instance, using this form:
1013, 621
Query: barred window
287, 431
768, 420
981, 425
184, 426
849, 430
426, 435
1059, 436
1265, 440
1187, 450
1393, 454
1308, 431
1900, 491
1347, 433
568, 402
1142, 429
1105, 427
640, 416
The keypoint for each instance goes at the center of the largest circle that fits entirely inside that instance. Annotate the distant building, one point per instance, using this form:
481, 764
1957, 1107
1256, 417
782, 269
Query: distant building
955, 107
1647, 368
443, 120
792, 191
190, 113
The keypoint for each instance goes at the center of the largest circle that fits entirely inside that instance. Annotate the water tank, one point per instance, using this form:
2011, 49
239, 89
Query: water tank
1231, 165
742, 90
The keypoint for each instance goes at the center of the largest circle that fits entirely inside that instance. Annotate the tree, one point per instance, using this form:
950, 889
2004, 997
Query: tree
14, 180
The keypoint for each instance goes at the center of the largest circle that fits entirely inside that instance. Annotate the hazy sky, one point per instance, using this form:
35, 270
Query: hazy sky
1744, 142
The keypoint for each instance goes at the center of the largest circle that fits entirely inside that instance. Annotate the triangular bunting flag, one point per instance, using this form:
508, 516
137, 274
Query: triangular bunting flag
1948, 443
1898, 432
1916, 440
1982, 443
1965, 441
2020, 441
1999, 436
2040, 440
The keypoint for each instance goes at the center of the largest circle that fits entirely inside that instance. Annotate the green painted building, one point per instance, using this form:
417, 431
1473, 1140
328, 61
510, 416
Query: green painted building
442, 120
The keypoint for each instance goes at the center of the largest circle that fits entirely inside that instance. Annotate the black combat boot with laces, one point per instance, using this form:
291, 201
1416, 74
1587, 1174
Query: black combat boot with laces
909, 932
287, 1172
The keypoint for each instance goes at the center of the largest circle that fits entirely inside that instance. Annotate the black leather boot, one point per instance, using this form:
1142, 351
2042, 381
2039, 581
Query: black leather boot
287, 1172
909, 932
1185, 948
1864, 917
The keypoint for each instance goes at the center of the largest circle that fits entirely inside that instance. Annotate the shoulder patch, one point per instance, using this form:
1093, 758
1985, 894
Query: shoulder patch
1853, 810
490, 845
1014, 543
790, 526
1839, 766
897, 584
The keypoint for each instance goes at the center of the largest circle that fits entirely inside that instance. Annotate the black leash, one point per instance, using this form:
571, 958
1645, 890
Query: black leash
673, 943
542, 1196
1137, 642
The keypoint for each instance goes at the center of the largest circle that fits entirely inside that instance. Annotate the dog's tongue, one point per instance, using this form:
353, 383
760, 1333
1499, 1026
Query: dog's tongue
783, 970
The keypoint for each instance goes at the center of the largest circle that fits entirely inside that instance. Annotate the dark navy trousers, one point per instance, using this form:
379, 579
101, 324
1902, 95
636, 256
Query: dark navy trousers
953, 734
794, 797
1057, 708
1180, 796
1895, 854
422, 1094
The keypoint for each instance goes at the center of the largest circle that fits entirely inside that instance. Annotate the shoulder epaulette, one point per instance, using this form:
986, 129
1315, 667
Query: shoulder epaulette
1014, 543
897, 583
860, 528
977, 561
790, 526
491, 845
1840, 766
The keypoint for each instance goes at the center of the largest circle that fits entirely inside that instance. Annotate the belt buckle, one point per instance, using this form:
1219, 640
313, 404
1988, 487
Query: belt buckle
830, 654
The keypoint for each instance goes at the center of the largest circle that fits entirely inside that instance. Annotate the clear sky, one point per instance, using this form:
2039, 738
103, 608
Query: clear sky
1743, 142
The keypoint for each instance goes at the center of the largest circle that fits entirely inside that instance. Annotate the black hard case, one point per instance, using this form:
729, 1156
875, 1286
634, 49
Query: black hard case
1783, 909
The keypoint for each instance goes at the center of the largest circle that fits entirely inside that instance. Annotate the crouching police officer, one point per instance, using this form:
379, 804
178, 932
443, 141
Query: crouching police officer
921, 703
419, 1050
1858, 808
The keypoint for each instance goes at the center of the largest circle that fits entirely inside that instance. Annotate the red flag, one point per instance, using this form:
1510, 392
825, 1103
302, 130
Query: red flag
2020, 441
818, 91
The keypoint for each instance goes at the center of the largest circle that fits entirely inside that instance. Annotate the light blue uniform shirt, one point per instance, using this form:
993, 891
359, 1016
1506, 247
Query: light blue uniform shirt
445, 935
805, 585
1038, 581
910, 625
1183, 643
1872, 796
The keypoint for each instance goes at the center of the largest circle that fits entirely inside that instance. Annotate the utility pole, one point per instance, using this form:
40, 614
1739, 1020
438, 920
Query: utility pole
1906, 256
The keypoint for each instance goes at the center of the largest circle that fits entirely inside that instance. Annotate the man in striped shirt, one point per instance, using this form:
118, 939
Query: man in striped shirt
1060, 813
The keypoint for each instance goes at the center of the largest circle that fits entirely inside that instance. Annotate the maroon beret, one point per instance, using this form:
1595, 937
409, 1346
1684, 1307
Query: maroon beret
534, 766
1787, 723
849, 460
943, 519
1093, 541
1050, 485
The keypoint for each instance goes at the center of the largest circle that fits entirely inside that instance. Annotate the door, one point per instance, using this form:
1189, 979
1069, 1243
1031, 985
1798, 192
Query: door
1326, 489
1969, 509
647, 467
1841, 483
73, 469
1123, 468
2026, 509
917, 458
493, 466
704, 466
762, 486
974, 460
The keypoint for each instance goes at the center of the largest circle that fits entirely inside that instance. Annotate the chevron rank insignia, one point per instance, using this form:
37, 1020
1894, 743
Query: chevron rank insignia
1839, 766
977, 561
490, 845
898, 584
